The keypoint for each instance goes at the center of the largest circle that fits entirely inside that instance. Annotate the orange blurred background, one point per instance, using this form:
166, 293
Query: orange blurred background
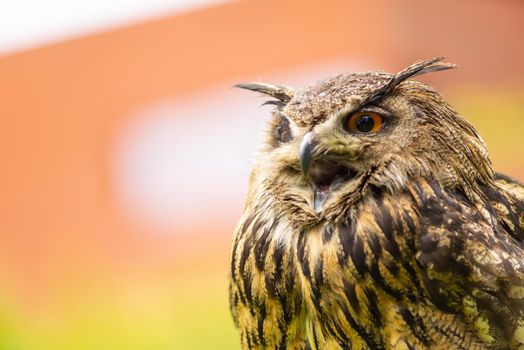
125, 153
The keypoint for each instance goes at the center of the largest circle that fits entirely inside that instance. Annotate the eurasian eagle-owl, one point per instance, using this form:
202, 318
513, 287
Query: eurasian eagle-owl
374, 220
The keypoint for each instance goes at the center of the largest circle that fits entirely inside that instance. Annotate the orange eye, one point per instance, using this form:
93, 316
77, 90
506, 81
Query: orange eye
364, 122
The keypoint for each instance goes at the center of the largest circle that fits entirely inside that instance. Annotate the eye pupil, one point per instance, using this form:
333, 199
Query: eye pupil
365, 123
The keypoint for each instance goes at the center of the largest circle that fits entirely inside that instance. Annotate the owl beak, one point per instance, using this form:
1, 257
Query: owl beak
325, 172
306, 152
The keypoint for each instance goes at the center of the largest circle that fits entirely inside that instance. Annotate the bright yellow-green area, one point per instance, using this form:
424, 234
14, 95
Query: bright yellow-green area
190, 311
499, 117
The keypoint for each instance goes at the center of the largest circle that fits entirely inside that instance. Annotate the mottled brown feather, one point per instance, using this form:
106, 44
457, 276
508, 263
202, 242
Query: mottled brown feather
422, 247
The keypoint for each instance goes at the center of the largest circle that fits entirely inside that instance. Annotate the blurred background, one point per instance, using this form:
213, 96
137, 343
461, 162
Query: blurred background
125, 153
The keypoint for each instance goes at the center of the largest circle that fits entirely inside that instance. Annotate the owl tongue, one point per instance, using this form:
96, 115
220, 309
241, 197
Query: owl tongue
319, 197
325, 176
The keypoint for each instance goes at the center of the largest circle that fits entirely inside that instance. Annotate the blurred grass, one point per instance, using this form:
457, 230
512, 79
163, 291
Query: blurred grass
187, 309
184, 305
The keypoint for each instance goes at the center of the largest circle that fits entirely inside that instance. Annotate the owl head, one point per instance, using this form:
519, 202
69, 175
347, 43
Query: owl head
331, 144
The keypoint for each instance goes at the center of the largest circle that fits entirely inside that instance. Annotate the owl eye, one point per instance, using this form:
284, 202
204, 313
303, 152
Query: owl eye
363, 122
283, 130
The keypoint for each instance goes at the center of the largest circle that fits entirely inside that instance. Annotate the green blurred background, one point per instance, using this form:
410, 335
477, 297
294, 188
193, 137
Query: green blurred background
125, 153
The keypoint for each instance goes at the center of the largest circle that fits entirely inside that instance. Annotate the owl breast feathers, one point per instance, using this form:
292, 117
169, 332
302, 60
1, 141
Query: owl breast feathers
374, 220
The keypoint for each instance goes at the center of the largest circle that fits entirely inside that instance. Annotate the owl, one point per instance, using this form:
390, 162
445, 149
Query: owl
374, 220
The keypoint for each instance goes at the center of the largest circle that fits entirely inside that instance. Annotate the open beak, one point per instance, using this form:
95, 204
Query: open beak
306, 156
325, 174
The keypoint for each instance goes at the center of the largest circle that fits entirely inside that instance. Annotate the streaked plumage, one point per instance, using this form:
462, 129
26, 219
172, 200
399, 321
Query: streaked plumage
404, 238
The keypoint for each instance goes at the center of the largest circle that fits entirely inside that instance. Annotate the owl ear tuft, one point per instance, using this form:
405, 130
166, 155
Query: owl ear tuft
280, 92
418, 68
